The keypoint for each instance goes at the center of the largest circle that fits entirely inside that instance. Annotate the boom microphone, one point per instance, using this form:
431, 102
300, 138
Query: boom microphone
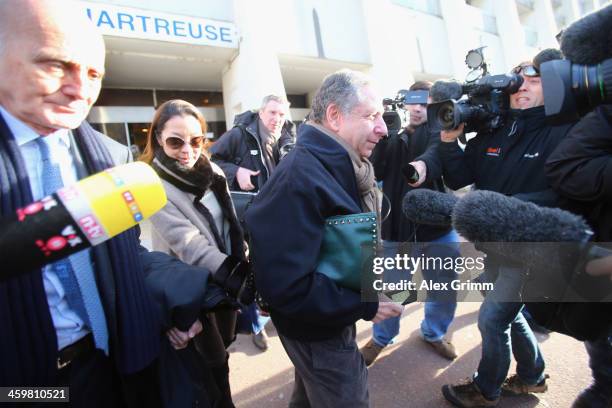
429, 207
445, 90
551, 242
78, 216
587, 41
487, 216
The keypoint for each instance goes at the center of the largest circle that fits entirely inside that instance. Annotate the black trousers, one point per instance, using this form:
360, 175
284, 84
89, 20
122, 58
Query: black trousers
95, 382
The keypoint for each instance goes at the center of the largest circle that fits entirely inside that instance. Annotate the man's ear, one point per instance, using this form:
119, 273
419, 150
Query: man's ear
333, 117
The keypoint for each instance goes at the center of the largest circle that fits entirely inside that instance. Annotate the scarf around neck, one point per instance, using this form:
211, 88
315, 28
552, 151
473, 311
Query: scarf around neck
197, 180
369, 194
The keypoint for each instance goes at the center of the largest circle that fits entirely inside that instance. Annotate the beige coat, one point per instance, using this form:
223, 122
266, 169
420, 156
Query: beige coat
180, 230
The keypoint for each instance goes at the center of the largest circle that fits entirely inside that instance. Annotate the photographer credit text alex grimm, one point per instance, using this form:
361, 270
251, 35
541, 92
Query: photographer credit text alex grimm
408, 264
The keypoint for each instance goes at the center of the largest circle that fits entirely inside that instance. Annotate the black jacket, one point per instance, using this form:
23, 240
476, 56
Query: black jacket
287, 222
241, 147
388, 158
510, 160
581, 169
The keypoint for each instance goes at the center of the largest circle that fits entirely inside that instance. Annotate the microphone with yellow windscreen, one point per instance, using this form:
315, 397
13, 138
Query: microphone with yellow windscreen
79, 216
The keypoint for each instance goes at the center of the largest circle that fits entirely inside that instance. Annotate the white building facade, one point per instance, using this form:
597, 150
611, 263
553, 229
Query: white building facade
225, 55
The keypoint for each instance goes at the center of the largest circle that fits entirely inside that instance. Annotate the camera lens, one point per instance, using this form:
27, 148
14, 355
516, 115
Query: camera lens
446, 116
586, 86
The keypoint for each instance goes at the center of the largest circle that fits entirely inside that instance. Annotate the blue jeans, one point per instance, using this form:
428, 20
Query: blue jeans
440, 305
504, 332
250, 320
257, 320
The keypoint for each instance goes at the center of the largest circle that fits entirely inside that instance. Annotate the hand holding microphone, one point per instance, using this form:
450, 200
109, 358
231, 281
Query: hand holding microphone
79, 216
415, 173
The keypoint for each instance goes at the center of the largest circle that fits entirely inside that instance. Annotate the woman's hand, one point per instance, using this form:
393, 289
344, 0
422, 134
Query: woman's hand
180, 339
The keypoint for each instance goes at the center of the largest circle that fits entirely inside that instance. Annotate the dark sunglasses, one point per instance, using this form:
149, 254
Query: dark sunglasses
528, 70
176, 143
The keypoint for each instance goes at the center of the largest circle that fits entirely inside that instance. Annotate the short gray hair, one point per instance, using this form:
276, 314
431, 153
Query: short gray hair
343, 89
3, 26
280, 99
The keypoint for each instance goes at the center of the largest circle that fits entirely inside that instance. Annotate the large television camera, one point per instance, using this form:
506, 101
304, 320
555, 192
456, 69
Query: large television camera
391, 115
482, 102
576, 85
572, 90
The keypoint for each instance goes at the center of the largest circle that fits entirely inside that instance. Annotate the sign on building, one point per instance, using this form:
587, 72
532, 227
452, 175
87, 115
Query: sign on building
152, 25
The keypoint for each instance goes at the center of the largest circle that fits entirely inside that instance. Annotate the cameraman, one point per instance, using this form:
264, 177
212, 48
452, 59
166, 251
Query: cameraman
417, 146
581, 169
511, 161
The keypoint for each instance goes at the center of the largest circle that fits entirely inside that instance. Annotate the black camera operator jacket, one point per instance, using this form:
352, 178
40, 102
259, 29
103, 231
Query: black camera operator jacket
581, 169
510, 160
388, 157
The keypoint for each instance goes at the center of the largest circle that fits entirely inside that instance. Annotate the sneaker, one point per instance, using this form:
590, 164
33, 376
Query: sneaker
370, 351
260, 340
444, 348
467, 395
513, 385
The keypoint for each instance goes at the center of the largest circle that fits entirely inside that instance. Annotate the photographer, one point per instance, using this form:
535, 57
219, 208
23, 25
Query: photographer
581, 170
417, 146
509, 160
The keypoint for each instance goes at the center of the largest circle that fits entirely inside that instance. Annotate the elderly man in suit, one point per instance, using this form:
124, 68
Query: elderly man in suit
88, 321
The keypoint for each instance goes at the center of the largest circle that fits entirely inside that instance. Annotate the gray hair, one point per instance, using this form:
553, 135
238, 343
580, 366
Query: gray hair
3, 26
280, 99
343, 89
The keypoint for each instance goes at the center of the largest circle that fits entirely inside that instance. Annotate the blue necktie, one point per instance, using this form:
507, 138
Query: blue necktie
80, 288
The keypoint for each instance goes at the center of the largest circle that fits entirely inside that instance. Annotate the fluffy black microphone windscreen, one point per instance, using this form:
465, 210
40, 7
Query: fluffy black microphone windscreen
429, 207
444, 90
588, 40
550, 243
487, 216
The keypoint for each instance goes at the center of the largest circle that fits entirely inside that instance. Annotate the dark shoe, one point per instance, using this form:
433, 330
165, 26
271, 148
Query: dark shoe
593, 397
444, 348
513, 385
370, 352
467, 395
260, 340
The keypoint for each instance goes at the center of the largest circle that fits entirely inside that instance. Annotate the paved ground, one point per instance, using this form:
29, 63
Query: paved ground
408, 374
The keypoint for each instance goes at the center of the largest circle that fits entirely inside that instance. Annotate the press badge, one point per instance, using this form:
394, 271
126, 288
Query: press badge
254, 152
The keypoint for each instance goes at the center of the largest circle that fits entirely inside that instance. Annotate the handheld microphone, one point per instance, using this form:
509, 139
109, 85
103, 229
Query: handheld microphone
410, 173
78, 216
430, 207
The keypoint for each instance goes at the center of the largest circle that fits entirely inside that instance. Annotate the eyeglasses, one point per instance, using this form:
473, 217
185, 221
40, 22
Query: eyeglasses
176, 143
528, 70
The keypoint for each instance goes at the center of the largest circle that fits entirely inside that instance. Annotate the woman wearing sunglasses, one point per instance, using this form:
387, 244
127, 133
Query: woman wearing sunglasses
198, 225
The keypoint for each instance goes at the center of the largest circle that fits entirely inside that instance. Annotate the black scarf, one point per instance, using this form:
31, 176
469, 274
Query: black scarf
197, 180
29, 353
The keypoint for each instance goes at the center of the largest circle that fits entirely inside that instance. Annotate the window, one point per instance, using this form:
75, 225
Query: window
425, 6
